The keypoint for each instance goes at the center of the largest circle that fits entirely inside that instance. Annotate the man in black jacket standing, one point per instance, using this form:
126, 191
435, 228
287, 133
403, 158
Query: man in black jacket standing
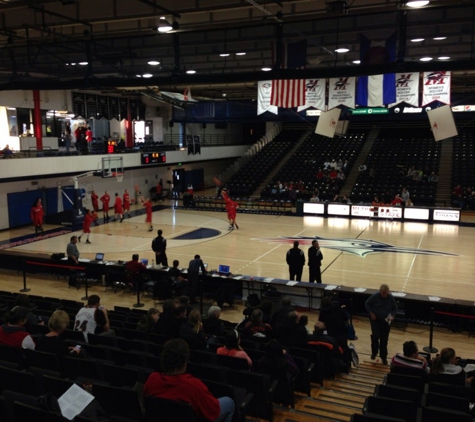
315, 257
295, 260
159, 246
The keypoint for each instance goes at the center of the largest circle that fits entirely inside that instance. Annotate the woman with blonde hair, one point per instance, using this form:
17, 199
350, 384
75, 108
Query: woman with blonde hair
53, 342
192, 332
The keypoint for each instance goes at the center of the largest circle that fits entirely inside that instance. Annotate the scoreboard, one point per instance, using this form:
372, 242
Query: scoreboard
153, 158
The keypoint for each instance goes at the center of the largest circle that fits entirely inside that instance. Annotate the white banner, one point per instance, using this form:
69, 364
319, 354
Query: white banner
341, 91
407, 89
264, 90
436, 87
314, 94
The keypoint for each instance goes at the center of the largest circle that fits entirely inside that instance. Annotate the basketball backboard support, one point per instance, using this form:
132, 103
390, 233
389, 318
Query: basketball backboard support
112, 166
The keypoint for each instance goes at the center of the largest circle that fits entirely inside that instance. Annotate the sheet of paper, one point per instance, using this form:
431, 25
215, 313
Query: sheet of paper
268, 280
330, 287
215, 275
185, 271
239, 277
398, 294
434, 298
74, 401
360, 289
292, 283
84, 260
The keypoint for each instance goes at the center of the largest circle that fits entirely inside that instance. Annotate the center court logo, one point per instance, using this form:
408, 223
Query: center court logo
359, 247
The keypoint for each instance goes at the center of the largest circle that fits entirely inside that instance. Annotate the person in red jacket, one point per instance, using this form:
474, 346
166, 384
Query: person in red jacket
95, 201
148, 213
118, 208
37, 214
105, 199
86, 225
126, 202
173, 383
13, 333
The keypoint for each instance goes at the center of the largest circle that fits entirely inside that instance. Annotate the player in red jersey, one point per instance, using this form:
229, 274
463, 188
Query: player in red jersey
37, 213
126, 202
148, 213
231, 208
105, 199
118, 208
86, 225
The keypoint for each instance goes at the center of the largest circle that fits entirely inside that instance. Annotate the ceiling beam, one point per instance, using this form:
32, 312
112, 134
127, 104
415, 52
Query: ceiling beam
163, 9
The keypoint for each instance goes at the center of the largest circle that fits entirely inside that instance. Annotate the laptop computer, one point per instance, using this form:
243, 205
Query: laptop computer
99, 258
224, 270
144, 261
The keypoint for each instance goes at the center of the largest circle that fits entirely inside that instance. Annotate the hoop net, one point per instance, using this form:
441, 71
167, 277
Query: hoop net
119, 177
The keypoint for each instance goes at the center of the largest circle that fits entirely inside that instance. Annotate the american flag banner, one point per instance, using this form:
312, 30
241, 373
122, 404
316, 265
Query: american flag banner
288, 93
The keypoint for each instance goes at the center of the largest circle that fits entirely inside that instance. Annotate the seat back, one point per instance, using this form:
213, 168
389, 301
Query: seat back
42, 360
169, 410
398, 393
373, 418
431, 414
19, 381
407, 381
119, 401
207, 371
459, 404
232, 362
403, 409
414, 372
448, 390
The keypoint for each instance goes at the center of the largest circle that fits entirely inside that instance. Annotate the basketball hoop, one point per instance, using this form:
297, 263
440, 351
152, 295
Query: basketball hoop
119, 177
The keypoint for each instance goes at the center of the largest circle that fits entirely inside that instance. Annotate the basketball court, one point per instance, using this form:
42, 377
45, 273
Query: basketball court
433, 260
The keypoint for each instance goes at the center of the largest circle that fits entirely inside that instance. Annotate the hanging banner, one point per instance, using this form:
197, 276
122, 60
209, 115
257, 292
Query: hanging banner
314, 94
341, 91
436, 87
264, 90
407, 89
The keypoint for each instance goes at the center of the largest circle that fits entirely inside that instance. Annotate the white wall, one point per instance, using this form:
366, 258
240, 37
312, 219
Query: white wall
213, 160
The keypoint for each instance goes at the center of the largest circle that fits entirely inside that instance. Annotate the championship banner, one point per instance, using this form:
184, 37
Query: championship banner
341, 91
314, 94
436, 87
407, 89
264, 90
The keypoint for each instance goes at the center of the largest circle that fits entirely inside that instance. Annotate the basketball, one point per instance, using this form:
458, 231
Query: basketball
216, 181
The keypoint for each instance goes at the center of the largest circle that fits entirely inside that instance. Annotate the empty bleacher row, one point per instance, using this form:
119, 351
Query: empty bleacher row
248, 178
393, 153
463, 170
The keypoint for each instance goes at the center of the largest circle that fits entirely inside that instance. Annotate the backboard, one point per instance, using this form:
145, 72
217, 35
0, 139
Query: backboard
112, 166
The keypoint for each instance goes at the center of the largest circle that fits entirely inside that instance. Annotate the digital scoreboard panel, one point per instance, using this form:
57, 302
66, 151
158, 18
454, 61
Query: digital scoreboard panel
153, 158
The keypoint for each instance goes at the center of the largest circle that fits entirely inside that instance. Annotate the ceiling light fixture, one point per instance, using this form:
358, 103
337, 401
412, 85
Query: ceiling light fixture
439, 38
241, 54
147, 75
417, 40
266, 69
224, 55
153, 62
83, 63
191, 72
444, 58
356, 61
138, 76
425, 59
342, 50
417, 3
164, 26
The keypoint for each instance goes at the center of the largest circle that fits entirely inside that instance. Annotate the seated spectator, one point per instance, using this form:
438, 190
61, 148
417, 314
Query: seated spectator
315, 198
53, 342
13, 333
362, 167
192, 332
376, 202
267, 307
185, 301
339, 361
178, 281
280, 366
405, 196
148, 323
23, 300
134, 266
93, 318
175, 384
291, 333
171, 319
232, 347
397, 201
446, 363
410, 358
7, 152
256, 328
213, 326
282, 313
303, 321
433, 178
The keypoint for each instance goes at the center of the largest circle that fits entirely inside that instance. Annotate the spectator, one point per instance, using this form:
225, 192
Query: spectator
23, 300
410, 358
148, 323
192, 332
175, 384
185, 301
335, 319
282, 313
53, 342
212, 325
171, 319
362, 167
256, 328
7, 152
13, 333
291, 333
233, 348
93, 318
